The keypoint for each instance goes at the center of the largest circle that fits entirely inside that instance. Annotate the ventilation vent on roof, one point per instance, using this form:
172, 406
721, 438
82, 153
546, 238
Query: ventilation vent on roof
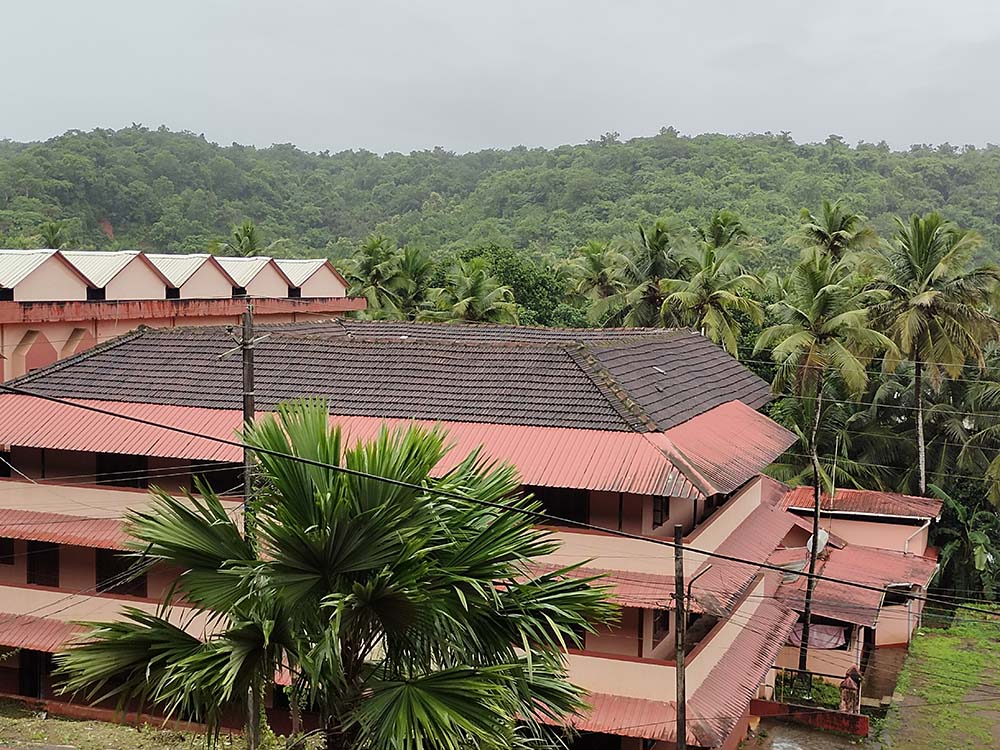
173, 292
239, 291
294, 292
6, 295
96, 295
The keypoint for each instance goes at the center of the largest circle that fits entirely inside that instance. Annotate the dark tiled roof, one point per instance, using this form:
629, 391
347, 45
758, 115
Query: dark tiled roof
492, 374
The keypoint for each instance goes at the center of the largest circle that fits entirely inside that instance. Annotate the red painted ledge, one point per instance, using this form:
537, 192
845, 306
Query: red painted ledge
820, 718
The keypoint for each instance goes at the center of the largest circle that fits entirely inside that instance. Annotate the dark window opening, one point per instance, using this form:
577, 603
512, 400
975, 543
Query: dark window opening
294, 292
897, 595
6, 294
661, 511
173, 292
6, 551
239, 291
113, 574
96, 295
697, 628
661, 624
122, 470
562, 503
43, 563
5, 464
223, 478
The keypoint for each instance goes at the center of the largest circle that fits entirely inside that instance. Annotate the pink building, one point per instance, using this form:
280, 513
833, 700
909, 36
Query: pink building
55, 303
634, 430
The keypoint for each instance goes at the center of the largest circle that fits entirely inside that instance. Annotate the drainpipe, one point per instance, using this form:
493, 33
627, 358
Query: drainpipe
906, 544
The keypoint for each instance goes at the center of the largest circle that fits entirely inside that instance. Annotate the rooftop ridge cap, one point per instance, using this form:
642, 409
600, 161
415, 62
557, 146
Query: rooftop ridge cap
80, 356
606, 384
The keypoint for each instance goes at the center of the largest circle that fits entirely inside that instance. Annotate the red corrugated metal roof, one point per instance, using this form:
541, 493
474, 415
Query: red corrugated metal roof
35, 633
544, 456
105, 533
866, 565
627, 588
727, 445
628, 717
724, 696
866, 501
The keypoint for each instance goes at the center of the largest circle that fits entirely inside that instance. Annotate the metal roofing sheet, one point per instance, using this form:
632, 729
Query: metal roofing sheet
103, 533
298, 270
179, 268
15, 265
866, 565
866, 501
724, 696
243, 270
728, 444
98, 266
36, 633
544, 456
627, 717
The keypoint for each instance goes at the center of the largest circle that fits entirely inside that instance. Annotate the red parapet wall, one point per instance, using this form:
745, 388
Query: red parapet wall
820, 718
160, 309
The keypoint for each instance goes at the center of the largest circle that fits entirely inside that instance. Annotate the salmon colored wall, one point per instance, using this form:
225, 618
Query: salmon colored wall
135, 281
681, 512
621, 638
79, 340
604, 509
76, 467
882, 535
207, 282
323, 283
179, 469
52, 280
77, 568
36, 354
633, 679
896, 623
18, 572
268, 283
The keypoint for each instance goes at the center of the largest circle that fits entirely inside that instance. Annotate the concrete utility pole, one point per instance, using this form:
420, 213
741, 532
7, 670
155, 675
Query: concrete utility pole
249, 407
680, 626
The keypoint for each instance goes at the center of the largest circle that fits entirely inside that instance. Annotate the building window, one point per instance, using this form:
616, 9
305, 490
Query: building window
173, 292
562, 504
95, 295
239, 291
223, 478
898, 595
43, 563
661, 511
6, 551
294, 292
113, 574
661, 624
122, 470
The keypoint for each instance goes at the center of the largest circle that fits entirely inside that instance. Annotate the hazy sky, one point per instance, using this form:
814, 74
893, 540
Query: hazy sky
390, 75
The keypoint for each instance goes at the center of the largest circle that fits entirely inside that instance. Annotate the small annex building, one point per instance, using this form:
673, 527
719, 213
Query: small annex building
125, 275
39, 275
256, 276
308, 277
199, 276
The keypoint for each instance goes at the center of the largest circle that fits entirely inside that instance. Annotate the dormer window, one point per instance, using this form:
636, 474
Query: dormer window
96, 295
239, 291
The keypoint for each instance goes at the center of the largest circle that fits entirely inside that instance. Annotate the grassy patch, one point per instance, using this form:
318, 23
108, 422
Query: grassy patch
20, 726
950, 681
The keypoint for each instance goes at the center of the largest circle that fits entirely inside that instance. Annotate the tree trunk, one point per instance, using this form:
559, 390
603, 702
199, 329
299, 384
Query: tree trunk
814, 553
335, 737
918, 394
254, 704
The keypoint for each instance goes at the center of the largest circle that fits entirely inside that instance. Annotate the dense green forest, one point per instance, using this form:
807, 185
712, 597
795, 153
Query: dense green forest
177, 191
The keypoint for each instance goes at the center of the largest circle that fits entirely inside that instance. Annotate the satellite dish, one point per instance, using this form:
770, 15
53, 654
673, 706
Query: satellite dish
824, 537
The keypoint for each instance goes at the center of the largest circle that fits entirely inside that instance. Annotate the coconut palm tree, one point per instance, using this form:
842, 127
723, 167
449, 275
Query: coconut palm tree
718, 288
652, 267
54, 235
245, 242
410, 280
596, 271
472, 295
371, 271
835, 231
822, 333
408, 618
936, 307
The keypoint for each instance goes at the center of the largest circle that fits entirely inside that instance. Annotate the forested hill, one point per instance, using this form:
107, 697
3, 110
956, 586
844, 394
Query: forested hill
160, 189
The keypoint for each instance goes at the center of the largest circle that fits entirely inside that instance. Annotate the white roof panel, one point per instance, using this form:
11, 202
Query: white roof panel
100, 267
178, 268
298, 270
243, 270
15, 265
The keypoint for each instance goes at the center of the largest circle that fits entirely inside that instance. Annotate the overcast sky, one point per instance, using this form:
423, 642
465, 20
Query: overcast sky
389, 75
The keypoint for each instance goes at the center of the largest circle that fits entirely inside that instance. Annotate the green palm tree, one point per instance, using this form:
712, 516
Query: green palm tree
54, 235
652, 268
822, 333
835, 231
596, 271
410, 280
718, 288
936, 308
244, 242
472, 295
406, 617
371, 271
